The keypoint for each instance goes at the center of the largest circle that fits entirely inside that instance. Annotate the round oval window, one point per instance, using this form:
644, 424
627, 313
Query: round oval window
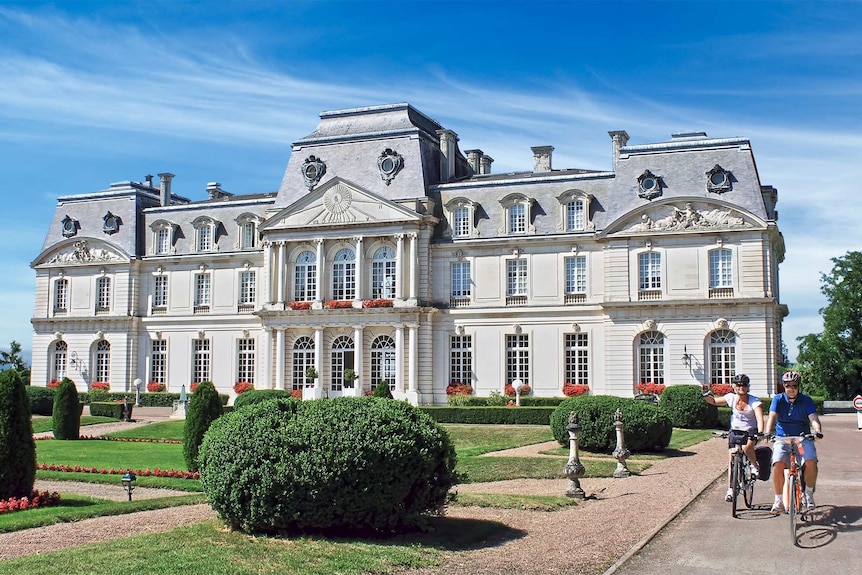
388, 165
718, 178
648, 183
311, 172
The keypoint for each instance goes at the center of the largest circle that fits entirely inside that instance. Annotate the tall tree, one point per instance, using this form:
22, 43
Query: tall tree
13, 359
832, 360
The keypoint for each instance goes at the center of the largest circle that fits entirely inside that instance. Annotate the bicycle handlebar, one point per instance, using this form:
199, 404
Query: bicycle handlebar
809, 436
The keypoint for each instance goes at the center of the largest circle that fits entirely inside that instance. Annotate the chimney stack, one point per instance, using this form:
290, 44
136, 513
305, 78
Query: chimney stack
165, 188
149, 179
620, 138
215, 192
542, 158
474, 158
485, 164
448, 145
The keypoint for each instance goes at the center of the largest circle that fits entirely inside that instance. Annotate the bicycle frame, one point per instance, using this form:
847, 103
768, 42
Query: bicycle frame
741, 479
794, 483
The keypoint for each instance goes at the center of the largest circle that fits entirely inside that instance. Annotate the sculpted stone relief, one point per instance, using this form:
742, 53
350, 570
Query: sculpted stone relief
81, 253
689, 219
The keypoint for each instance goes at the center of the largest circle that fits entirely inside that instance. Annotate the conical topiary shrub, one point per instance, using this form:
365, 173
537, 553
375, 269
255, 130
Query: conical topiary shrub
382, 390
67, 411
17, 448
204, 408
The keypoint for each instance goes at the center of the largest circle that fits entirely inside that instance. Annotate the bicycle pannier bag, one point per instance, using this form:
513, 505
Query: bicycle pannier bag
763, 454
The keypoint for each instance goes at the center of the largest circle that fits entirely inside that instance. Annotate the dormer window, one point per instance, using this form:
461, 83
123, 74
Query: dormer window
575, 211
205, 229
718, 180
247, 231
461, 214
518, 214
163, 237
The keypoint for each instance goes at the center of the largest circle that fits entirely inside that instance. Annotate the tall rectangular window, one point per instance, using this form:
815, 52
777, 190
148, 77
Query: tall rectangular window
205, 238
160, 291
461, 359
61, 350
461, 224
649, 271
202, 290
303, 359
163, 241
575, 215
517, 358
103, 361
516, 277
721, 268
576, 274
344, 275
247, 287
651, 356
305, 279
247, 235
159, 361
722, 356
461, 280
103, 294
201, 360
577, 355
518, 219
245, 360
61, 295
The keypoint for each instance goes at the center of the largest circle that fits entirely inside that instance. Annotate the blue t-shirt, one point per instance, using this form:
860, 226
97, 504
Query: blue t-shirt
792, 418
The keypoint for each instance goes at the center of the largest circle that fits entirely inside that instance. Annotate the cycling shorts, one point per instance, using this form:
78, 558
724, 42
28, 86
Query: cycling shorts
781, 451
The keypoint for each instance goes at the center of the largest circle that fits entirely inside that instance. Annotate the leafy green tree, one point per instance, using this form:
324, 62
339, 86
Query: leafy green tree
204, 408
17, 448
12, 359
831, 361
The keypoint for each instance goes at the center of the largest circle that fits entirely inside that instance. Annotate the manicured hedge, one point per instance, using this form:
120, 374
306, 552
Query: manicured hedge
66, 414
258, 396
148, 399
108, 409
342, 466
491, 415
204, 408
17, 448
41, 399
647, 426
686, 407
526, 401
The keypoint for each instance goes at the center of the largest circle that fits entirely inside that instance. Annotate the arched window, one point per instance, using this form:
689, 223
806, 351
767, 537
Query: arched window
103, 361
303, 358
305, 277
344, 275
722, 356
59, 361
341, 358
383, 275
651, 357
383, 361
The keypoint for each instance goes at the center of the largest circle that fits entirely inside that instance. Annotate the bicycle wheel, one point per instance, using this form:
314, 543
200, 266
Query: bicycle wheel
735, 478
748, 487
792, 505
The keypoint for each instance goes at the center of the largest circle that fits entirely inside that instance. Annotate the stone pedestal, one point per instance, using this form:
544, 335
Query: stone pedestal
180, 408
315, 392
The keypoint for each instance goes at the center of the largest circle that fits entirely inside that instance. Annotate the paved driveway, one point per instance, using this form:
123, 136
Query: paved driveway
705, 539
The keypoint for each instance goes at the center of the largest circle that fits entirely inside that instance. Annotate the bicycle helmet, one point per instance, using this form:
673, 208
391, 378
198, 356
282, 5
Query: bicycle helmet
741, 379
792, 376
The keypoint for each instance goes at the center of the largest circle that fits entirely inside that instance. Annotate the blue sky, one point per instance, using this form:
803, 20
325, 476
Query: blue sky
100, 92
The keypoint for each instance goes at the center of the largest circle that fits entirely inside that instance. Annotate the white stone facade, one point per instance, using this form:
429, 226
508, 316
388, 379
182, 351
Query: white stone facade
388, 253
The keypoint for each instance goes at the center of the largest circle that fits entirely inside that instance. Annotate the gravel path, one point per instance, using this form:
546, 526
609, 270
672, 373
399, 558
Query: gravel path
587, 539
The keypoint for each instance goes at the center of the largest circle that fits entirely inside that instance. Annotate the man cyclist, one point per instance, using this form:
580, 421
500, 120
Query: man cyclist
746, 417
793, 413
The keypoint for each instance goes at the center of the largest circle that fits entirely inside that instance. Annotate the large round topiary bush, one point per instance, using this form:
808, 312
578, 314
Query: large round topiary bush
332, 466
204, 408
17, 448
686, 407
258, 396
647, 426
66, 414
41, 399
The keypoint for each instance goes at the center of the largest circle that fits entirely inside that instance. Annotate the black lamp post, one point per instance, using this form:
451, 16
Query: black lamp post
129, 483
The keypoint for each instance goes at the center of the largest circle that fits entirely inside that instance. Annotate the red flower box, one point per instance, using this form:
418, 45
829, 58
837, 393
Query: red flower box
242, 387
338, 304
719, 389
650, 387
194, 386
155, 386
53, 384
369, 303
459, 388
575, 389
299, 305
525, 389
103, 385
297, 393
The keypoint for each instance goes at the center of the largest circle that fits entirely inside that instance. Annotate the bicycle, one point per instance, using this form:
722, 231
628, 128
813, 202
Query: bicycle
794, 486
742, 480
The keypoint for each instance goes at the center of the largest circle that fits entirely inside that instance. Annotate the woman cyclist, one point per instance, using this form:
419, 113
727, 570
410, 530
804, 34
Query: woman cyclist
746, 417
793, 413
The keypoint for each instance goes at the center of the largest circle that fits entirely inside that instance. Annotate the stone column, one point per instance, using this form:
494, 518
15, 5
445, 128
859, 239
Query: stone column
412, 364
320, 272
268, 268
267, 356
399, 359
358, 292
414, 267
357, 360
279, 358
399, 265
280, 283
316, 392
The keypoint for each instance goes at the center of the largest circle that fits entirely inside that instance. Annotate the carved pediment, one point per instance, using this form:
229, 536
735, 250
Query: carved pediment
684, 217
339, 203
81, 253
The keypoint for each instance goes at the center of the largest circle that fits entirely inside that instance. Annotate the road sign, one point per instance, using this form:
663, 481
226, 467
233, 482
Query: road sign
857, 403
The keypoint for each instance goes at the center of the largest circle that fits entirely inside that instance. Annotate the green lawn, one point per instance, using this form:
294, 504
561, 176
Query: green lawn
42, 423
158, 430
107, 454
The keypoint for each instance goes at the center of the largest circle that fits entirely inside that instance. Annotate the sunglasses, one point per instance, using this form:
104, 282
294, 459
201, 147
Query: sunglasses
791, 387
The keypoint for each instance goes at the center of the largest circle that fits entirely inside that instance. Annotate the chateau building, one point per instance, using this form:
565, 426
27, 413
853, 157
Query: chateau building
391, 256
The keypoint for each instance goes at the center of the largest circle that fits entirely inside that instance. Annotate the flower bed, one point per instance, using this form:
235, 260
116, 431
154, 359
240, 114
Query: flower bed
300, 305
575, 389
155, 386
177, 474
377, 303
127, 439
34, 501
459, 388
338, 304
650, 387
